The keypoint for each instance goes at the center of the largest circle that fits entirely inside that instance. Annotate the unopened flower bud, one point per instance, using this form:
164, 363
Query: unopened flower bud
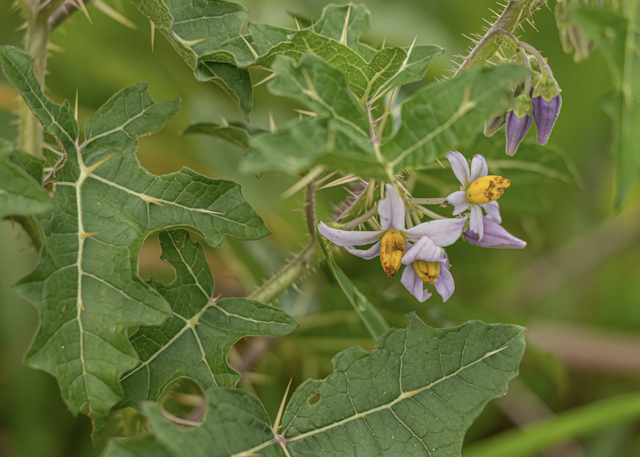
493, 125
564, 24
494, 236
517, 123
487, 189
581, 42
546, 107
391, 252
428, 272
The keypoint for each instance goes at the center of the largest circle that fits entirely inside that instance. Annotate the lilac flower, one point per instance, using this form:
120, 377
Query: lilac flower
427, 263
494, 236
517, 123
479, 190
391, 242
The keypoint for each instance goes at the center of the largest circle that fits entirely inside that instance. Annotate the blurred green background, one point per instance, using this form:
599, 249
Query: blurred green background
576, 285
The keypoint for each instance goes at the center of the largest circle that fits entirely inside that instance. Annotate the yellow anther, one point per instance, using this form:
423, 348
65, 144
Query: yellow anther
391, 252
427, 271
487, 189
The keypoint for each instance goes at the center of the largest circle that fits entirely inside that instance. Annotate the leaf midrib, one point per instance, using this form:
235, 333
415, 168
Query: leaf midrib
364, 414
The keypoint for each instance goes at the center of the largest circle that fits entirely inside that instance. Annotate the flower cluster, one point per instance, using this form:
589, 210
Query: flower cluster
421, 248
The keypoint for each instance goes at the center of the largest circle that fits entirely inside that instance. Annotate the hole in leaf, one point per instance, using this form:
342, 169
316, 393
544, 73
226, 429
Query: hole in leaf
183, 402
150, 264
125, 422
314, 399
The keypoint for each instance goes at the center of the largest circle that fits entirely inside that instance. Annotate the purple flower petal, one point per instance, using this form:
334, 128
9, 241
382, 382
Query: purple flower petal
444, 284
495, 236
545, 114
391, 210
493, 211
459, 201
425, 250
346, 237
442, 232
460, 167
414, 284
373, 251
475, 222
479, 167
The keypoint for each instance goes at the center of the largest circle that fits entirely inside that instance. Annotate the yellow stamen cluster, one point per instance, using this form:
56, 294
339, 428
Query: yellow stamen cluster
487, 189
428, 272
391, 252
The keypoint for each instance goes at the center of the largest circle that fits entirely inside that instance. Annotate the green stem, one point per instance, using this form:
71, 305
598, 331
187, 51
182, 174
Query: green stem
572, 424
31, 133
300, 265
515, 12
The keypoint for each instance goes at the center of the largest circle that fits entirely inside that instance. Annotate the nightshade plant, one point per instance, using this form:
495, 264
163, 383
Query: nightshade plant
112, 340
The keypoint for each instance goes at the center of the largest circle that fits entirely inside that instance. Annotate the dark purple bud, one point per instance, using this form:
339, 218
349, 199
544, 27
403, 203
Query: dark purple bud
517, 123
494, 236
545, 113
546, 105
491, 126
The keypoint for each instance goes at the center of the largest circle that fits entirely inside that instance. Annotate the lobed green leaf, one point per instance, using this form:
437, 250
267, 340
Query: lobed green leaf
196, 341
86, 287
416, 394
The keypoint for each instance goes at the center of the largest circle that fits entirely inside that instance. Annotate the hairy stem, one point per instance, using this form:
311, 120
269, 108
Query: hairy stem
515, 12
31, 133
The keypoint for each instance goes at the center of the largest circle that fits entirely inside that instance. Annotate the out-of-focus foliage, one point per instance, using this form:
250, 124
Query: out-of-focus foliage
616, 35
580, 267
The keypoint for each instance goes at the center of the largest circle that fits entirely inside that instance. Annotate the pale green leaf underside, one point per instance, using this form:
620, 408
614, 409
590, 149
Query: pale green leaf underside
208, 36
21, 193
337, 137
196, 341
415, 395
388, 68
235, 134
617, 37
86, 286
449, 115
438, 118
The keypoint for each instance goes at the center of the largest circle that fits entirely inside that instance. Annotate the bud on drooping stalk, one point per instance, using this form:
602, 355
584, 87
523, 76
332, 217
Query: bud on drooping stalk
581, 42
564, 24
493, 125
517, 123
546, 106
